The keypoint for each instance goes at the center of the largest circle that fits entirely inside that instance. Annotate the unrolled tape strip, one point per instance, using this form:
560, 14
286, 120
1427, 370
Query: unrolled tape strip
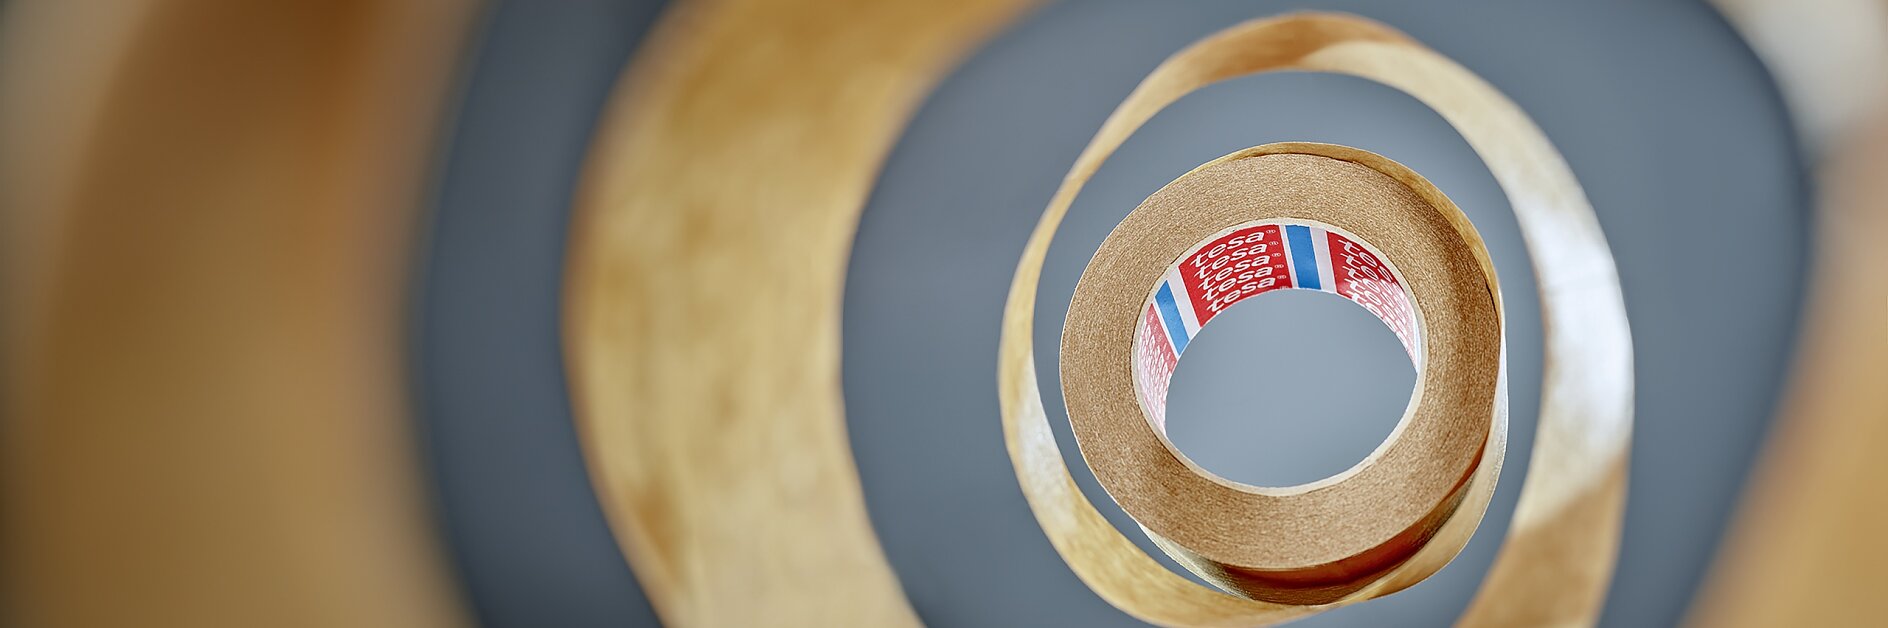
1315, 216
711, 417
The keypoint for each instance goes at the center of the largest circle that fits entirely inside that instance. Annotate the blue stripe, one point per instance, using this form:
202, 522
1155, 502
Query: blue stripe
1175, 329
1304, 258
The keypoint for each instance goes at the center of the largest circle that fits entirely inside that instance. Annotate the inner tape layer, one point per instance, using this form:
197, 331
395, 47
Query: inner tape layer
1248, 260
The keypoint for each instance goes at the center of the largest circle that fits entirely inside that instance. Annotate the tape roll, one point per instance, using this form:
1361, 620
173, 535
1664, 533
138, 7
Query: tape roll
1283, 216
1310, 548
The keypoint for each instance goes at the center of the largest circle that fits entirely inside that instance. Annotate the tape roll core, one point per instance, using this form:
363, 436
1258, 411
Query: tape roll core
1317, 542
1254, 258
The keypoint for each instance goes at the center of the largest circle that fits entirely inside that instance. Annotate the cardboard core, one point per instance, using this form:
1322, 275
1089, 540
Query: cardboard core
1248, 260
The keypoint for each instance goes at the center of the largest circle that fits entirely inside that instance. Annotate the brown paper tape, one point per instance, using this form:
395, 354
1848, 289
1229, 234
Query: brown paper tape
1306, 216
710, 415
701, 416
1405, 511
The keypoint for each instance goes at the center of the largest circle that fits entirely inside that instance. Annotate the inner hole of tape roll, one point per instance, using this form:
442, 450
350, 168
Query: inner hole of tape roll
1250, 259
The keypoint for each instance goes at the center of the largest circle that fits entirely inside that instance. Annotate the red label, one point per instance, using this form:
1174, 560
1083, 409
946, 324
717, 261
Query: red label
1235, 266
1363, 278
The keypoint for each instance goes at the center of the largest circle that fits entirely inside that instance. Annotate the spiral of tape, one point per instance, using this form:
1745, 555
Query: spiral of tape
86, 358
1295, 551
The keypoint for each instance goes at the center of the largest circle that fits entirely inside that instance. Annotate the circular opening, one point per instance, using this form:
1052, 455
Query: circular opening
1307, 386
1288, 389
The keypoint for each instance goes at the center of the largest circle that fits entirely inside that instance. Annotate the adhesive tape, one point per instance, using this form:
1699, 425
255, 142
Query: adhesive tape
1282, 216
1408, 508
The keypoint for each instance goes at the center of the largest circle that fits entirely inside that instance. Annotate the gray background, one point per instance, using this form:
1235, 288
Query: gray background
1663, 113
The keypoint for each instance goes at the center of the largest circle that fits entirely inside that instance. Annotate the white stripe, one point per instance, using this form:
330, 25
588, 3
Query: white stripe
1321, 246
1183, 302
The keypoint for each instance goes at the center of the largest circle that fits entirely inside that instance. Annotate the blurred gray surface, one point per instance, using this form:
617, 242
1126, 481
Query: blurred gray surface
523, 526
1665, 116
